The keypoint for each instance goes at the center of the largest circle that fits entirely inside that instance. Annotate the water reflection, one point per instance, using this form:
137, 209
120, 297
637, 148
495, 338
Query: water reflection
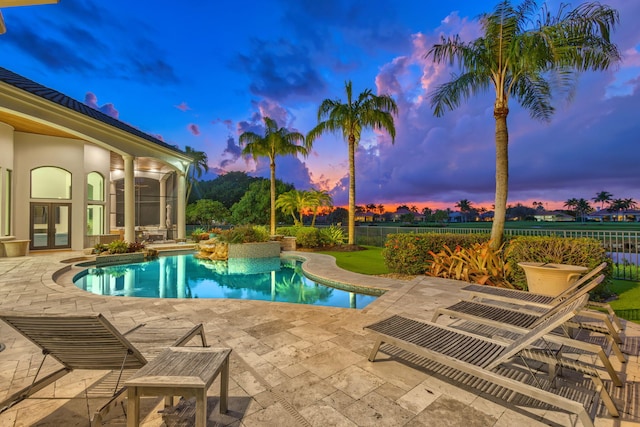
184, 276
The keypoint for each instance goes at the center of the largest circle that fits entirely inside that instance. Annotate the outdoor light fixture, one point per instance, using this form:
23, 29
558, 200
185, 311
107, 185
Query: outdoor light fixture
11, 3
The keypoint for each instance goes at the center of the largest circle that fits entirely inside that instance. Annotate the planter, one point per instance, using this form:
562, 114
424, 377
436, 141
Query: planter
254, 250
288, 243
550, 279
15, 248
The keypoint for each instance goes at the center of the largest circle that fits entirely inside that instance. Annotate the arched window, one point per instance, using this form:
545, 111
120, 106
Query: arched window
95, 187
49, 182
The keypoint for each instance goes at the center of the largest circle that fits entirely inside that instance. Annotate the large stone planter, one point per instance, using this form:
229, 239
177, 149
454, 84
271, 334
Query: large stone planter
550, 279
15, 248
288, 243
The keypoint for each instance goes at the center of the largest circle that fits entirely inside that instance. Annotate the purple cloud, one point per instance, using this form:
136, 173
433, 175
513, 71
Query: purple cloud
194, 129
91, 100
182, 106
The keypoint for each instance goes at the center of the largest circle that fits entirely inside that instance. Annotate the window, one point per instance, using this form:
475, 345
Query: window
95, 220
95, 187
50, 183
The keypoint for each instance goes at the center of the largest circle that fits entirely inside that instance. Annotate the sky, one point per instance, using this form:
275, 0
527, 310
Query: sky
199, 73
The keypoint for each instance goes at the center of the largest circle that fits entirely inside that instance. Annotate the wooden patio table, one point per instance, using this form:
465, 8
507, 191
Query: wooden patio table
180, 371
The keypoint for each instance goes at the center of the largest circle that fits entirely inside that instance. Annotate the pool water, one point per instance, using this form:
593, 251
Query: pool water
184, 276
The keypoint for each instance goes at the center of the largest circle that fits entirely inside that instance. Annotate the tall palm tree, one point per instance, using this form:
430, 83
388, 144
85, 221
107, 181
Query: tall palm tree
603, 197
275, 142
571, 204
582, 208
198, 166
318, 199
367, 111
517, 56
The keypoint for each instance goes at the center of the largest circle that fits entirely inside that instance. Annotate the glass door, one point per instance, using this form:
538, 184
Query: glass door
50, 226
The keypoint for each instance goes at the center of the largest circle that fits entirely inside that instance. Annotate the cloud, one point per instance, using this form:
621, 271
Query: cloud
91, 100
74, 43
231, 153
194, 129
182, 106
280, 70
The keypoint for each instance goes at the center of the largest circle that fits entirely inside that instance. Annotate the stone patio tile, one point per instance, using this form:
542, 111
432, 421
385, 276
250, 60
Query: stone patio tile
279, 339
355, 381
268, 328
249, 383
338, 400
418, 398
274, 415
325, 415
304, 390
312, 334
329, 362
398, 374
377, 411
450, 412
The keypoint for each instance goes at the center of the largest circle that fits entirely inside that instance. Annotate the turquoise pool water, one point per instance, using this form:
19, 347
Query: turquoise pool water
184, 276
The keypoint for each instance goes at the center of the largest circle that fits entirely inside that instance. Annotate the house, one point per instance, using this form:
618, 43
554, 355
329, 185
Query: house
553, 216
70, 174
605, 215
399, 213
365, 217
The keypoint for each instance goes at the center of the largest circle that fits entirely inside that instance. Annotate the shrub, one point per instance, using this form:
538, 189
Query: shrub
199, 234
288, 231
586, 252
477, 264
244, 234
308, 237
408, 253
135, 247
118, 247
332, 235
99, 248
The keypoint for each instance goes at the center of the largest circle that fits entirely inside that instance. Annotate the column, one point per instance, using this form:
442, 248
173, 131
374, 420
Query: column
182, 206
129, 200
112, 206
163, 201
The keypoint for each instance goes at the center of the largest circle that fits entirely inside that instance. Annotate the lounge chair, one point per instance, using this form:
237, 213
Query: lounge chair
514, 296
482, 357
82, 342
511, 314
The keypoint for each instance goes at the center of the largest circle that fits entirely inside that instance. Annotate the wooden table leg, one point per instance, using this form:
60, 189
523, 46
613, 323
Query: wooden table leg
133, 407
224, 386
201, 408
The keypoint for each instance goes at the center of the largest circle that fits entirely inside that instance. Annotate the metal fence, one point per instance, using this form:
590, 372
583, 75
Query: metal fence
623, 247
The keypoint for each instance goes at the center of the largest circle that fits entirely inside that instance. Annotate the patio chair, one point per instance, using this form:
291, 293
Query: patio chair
484, 358
520, 321
84, 342
514, 296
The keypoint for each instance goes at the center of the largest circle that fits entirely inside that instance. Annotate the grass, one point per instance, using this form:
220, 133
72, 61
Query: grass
370, 261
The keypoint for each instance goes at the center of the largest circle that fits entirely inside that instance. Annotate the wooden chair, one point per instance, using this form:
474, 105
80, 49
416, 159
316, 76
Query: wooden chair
83, 342
482, 357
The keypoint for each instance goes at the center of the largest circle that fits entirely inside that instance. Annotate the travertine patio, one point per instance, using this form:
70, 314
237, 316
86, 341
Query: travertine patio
291, 365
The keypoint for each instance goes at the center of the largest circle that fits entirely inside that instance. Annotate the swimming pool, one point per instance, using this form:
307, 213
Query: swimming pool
184, 276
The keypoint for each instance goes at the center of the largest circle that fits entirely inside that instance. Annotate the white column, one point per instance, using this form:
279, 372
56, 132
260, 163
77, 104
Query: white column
182, 206
181, 278
129, 200
163, 201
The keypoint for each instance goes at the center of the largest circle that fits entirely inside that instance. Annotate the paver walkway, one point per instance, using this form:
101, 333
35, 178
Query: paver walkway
292, 365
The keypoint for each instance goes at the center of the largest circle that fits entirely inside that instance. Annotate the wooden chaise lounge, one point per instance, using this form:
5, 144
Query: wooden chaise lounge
483, 357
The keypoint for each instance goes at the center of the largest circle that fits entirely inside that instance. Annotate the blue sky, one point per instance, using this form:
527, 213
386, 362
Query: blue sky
199, 73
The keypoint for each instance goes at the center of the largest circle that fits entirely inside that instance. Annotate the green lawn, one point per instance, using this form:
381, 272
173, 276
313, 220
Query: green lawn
370, 261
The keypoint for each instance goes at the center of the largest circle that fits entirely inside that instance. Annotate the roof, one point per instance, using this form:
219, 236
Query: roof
20, 82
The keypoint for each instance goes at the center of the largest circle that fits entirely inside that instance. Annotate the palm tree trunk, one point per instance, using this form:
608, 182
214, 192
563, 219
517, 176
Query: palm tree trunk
502, 176
352, 190
272, 166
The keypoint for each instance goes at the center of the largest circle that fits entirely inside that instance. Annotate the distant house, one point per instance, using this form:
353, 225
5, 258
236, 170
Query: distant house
553, 216
397, 215
606, 215
455, 217
365, 217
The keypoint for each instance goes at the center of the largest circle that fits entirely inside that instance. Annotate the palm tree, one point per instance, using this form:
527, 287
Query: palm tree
517, 56
318, 199
367, 111
293, 202
275, 142
465, 207
602, 198
571, 204
198, 165
582, 208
